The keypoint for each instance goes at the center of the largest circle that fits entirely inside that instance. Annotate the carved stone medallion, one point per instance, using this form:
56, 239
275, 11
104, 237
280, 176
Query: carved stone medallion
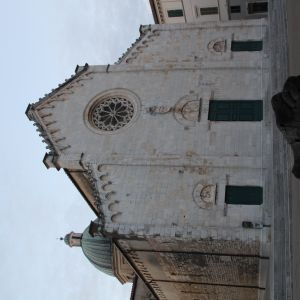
188, 110
204, 195
217, 46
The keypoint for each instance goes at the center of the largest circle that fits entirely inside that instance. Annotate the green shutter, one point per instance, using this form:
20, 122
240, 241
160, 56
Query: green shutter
246, 45
235, 110
257, 7
235, 9
245, 195
209, 10
175, 13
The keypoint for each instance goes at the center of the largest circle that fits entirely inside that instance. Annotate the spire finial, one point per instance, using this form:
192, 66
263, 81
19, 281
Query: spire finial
72, 239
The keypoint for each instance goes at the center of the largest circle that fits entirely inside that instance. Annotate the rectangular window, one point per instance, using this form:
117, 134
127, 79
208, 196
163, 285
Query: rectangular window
245, 195
209, 10
246, 45
257, 7
236, 9
235, 110
175, 13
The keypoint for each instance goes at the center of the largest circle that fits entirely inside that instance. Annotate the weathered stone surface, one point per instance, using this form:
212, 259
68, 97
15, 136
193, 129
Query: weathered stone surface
158, 183
181, 291
231, 267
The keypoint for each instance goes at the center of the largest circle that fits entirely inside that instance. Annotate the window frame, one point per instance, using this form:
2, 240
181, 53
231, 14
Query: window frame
235, 9
235, 110
252, 10
249, 46
209, 11
250, 195
174, 13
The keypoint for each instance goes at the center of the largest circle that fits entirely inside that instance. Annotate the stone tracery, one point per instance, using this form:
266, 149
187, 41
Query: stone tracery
112, 113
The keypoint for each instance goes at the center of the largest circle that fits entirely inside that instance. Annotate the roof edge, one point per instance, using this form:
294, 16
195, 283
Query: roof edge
133, 289
124, 55
154, 12
79, 70
135, 269
81, 192
32, 112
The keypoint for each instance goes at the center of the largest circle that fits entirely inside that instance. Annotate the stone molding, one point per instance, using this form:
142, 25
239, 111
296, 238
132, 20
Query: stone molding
122, 270
143, 269
41, 113
147, 36
159, 10
127, 94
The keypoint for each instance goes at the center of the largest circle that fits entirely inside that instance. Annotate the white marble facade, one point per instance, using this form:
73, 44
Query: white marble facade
136, 139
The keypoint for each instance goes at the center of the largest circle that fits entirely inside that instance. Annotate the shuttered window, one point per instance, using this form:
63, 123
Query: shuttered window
246, 46
209, 11
174, 13
235, 9
235, 110
257, 7
245, 195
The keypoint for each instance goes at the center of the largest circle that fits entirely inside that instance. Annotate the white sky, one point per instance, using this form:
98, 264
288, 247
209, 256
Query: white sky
41, 44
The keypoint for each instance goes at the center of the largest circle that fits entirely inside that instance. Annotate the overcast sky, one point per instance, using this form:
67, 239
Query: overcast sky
41, 44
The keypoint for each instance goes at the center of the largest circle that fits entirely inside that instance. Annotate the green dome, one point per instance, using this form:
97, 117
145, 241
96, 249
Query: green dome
67, 239
98, 250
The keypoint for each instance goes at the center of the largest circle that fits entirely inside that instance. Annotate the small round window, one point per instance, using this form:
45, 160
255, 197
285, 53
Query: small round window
111, 112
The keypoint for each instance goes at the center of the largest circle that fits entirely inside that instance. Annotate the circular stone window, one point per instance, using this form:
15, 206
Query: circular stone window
111, 111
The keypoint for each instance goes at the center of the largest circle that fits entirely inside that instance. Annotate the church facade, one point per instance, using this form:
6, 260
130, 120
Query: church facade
170, 147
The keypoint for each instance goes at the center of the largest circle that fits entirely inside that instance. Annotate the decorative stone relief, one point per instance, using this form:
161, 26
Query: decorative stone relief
48, 130
191, 111
114, 217
111, 111
107, 194
90, 172
188, 110
159, 109
217, 46
103, 193
205, 195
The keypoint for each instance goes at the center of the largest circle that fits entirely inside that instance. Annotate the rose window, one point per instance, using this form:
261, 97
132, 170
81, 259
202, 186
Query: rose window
112, 113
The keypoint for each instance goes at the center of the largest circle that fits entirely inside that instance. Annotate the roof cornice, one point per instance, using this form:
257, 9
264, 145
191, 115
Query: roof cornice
154, 12
35, 114
78, 71
125, 54
157, 11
